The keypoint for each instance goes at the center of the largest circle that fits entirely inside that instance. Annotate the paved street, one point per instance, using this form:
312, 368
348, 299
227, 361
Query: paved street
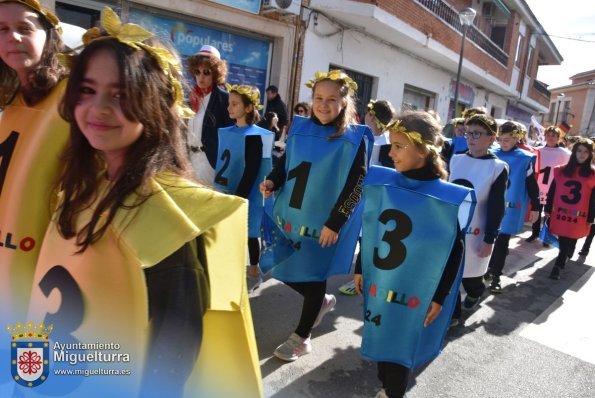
536, 339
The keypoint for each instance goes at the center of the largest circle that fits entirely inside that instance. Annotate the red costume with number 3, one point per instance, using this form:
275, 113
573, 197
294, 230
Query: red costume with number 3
571, 204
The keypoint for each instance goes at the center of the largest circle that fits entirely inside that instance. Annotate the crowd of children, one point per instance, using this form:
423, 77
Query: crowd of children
111, 169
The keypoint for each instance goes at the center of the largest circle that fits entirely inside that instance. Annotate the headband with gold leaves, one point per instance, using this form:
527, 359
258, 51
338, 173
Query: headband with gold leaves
487, 121
36, 6
335, 75
413, 136
515, 131
250, 92
133, 36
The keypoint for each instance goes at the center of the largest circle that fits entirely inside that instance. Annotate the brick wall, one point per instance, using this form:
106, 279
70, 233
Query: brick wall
423, 20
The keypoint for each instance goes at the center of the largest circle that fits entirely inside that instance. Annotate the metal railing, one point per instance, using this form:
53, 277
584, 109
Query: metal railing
451, 16
541, 88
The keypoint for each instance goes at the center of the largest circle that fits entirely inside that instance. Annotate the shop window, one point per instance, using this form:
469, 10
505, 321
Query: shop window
415, 98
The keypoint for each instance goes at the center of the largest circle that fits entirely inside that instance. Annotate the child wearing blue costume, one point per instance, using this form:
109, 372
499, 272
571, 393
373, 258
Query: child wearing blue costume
319, 181
243, 160
522, 188
409, 293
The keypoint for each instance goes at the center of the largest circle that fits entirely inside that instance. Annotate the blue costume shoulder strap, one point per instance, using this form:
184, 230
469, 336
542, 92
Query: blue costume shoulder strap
445, 191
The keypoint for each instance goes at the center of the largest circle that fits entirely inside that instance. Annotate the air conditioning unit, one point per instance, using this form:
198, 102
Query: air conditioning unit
282, 6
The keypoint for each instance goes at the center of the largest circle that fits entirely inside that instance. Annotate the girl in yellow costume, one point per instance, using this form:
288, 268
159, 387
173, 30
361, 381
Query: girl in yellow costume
32, 134
135, 249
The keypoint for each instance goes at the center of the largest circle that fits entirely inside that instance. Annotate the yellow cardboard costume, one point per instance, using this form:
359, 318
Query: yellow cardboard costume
108, 281
31, 140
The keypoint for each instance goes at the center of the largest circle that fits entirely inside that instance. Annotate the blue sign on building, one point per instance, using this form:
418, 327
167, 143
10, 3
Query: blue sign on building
247, 58
252, 6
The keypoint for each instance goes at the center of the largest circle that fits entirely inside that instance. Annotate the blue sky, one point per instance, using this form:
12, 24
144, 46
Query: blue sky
569, 18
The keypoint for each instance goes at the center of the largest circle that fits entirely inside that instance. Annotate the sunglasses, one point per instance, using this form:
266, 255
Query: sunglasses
198, 72
300, 111
475, 134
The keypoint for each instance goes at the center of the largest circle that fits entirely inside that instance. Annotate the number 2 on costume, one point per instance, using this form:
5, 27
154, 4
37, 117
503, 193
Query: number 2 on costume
226, 157
300, 173
6, 151
397, 251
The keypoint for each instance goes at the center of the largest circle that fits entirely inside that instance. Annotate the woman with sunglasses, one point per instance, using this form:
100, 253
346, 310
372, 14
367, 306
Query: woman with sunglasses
209, 101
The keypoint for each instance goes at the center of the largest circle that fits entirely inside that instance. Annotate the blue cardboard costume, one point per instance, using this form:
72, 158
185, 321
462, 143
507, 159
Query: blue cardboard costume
231, 164
301, 207
402, 218
517, 196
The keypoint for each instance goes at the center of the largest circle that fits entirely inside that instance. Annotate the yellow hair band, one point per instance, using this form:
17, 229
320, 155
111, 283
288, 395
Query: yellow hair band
413, 136
335, 75
132, 35
252, 94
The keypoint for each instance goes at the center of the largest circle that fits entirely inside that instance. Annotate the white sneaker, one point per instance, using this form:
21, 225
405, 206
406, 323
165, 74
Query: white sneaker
253, 282
381, 394
327, 304
293, 348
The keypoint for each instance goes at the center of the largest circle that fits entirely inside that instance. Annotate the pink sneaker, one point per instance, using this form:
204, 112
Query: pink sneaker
293, 348
327, 304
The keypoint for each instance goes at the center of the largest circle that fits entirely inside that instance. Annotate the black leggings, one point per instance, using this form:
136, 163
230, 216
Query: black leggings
536, 227
499, 254
589, 240
253, 250
313, 293
394, 378
474, 288
567, 246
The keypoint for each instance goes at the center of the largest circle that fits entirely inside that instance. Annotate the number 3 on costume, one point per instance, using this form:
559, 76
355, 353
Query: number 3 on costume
397, 251
71, 311
6, 150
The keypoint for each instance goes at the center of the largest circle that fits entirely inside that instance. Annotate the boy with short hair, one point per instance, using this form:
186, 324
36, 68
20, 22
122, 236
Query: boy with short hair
522, 187
488, 176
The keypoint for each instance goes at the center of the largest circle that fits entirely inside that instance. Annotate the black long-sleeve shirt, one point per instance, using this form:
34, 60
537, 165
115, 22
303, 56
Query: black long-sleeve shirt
496, 203
252, 160
349, 196
456, 254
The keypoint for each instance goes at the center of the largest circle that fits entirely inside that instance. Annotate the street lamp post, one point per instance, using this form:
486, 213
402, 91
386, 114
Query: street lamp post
466, 16
559, 99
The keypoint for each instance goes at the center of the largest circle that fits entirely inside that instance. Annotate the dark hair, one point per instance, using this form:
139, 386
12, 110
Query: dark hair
476, 110
348, 114
253, 116
216, 65
303, 105
509, 127
272, 89
384, 111
43, 77
584, 169
431, 131
148, 96
485, 121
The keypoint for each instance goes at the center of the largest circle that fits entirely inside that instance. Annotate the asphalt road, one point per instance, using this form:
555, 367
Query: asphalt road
536, 339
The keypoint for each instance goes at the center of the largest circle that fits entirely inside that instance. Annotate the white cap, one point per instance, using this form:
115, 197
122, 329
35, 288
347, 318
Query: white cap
209, 51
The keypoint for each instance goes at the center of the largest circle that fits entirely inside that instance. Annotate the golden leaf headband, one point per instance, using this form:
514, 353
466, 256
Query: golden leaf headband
335, 75
556, 130
381, 126
36, 6
487, 121
133, 36
252, 94
413, 136
514, 131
